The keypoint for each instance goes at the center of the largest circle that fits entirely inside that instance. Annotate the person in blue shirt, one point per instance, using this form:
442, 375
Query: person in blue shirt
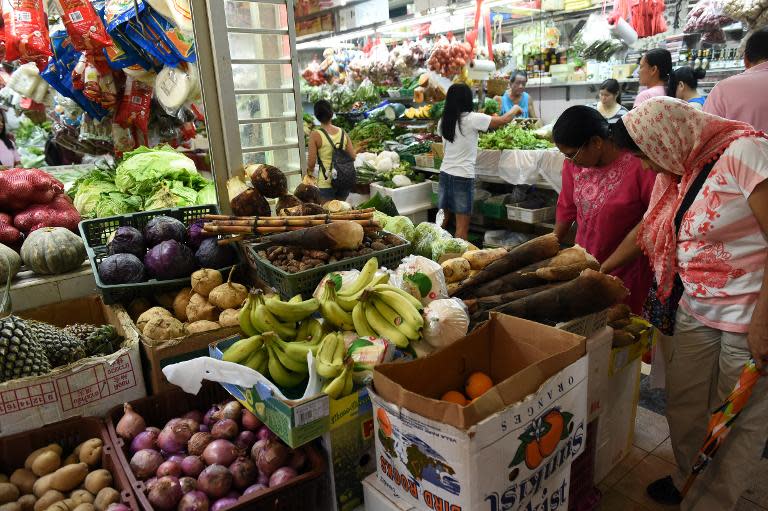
516, 99
684, 83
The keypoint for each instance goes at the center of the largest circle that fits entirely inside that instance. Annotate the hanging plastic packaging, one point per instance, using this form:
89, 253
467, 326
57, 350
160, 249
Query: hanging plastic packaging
85, 29
118, 12
180, 43
134, 108
26, 31
173, 88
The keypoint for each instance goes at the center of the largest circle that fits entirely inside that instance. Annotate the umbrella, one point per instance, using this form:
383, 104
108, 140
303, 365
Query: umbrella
721, 421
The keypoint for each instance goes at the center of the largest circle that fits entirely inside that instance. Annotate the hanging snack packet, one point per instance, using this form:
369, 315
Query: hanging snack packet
26, 31
120, 53
147, 38
118, 12
134, 108
84, 26
180, 43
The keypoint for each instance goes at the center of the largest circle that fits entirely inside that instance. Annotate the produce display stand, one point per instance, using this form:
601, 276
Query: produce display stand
69, 433
30, 290
302, 492
406, 197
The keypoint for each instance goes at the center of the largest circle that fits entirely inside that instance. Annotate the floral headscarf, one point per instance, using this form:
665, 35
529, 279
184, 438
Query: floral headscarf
681, 140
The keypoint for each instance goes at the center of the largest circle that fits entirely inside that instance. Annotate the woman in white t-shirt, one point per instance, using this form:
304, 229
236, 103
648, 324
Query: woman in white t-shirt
460, 128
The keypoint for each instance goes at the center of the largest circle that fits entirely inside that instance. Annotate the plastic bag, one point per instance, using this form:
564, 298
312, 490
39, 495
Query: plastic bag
118, 12
85, 29
26, 32
425, 235
422, 278
445, 322
367, 353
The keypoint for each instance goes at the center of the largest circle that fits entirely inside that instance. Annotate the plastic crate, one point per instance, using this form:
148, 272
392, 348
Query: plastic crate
96, 232
531, 216
405, 197
426, 161
305, 491
69, 433
586, 325
305, 282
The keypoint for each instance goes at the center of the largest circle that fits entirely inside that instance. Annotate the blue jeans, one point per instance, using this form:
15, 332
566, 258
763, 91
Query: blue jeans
456, 194
327, 194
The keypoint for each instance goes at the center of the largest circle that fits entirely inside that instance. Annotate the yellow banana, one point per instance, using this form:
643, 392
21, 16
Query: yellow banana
383, 328
280, 374
291, 312
325, 363
348, 302
306, 329
361, 323
258, 360
395, 319
244, 317
295, 299
336, 386
242, 349
297, 350
362, 280
401, 306
266, 322
405, 294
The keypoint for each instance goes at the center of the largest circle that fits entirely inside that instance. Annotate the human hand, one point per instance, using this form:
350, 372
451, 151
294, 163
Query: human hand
757, 340
516, 110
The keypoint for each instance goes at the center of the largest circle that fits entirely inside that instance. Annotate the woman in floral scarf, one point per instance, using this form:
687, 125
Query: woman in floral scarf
706, 235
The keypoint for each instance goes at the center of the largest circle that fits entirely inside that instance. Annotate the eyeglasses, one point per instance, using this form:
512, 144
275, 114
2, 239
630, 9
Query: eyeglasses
573, 158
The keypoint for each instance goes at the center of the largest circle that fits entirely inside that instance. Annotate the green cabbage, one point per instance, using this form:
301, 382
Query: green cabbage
448, 246
381, 218
401, 225
116, 203
170, 194
143, 168
86, 191
207, 194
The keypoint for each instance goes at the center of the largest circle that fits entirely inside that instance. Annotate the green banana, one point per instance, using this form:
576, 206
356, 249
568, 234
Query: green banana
292, 364
335, 388
332, 311
315, 331
348, 302
244, 317
266, 322
296, 350
326, 364
291, 312
363, 279
401, 306
280, 374
361, 323
349, 385
383, 328
405, 294
242, 349
258, 360
395, 319
295, 299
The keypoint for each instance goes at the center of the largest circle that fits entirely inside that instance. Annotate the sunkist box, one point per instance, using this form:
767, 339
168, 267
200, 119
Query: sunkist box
89, 387
512, 447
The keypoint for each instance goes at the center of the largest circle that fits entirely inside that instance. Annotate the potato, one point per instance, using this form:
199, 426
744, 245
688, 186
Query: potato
83, 496
8, 493
48, 499
42, 485
85, 506
162, 328
97, 480
151, 313
27, 502
46, 463
203, 281
11, 506
106, 497
229, 317
62, 505
71, 459
31, 458
90, 452
24, 480
199, 309
69, 477
180, 304
202, 326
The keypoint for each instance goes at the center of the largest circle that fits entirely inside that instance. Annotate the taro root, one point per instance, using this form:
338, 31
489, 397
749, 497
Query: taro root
268, 180
307, 193
286, 201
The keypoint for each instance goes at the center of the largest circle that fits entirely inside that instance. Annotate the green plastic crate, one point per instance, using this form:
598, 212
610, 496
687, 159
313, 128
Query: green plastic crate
96, 233
492, 209
305, 282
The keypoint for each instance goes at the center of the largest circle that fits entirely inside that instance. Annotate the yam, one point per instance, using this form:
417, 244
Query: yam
46, 463
203, 281
229, 317
479, 259
513, 281
533, 251
567, 272
27, 502
96, 480
489, 302
456, 269
619, 311
48, 499
180, 304
69, 477
106, 497
163, 328
202, 326
150, 314
8, 493
199, 309
138, 307
590, 292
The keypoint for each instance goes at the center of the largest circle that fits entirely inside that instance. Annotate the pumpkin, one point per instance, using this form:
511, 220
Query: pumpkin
53, 250
10, 263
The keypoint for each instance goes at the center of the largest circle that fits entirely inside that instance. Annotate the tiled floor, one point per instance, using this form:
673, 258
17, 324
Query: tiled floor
651, 458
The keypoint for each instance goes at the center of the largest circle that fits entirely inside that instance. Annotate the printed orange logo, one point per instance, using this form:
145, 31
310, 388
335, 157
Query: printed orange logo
542, 438
384, 424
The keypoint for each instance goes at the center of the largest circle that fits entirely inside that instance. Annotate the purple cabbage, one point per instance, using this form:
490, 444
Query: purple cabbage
121, 269
196, 234
170, 260
164, 228
212, 255
127, 240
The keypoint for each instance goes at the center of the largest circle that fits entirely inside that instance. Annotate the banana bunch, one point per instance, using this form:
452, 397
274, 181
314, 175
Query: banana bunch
343, 384
329, 359
287, 361
249, 352
348, 296
423, 112
271, 314
390, 313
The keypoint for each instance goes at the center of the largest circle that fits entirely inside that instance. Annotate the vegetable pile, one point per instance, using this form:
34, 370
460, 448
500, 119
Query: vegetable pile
145, 179
50, 481
512, 137
207, 460
371, 135
30, 142
449, 57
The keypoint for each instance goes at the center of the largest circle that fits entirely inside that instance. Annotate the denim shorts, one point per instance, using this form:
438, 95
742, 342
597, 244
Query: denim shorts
456, 194
327, 194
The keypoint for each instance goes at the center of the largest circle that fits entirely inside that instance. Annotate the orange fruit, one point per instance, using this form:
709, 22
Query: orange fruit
477, 384
533, 457
454, 396
548, 442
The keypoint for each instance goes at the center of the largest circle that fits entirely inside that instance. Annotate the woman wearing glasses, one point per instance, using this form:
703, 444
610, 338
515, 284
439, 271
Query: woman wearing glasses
605, 191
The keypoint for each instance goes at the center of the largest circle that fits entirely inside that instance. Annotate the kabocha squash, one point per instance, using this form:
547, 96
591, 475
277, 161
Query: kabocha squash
9, 266
53, 250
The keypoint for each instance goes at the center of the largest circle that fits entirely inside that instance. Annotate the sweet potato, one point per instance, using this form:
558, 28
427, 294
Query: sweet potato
479, 259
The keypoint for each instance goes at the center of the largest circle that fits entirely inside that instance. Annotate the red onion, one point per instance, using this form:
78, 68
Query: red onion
222, 504
198, 443
130, 424
297, 459
225, 428
176, 458
192, 466
255, 488
194, 501
233, 494
175, 435
271, 457
256, 449
215, 481
152, 429
144, 440
263, 479
145, 462
169, 468
208, 419
250, 421
221, 452
265, 433
281, 476
188, 484
245, 440
204, 428
165, 493
230, 410
244, 472
149, 482
118, 507
195, 415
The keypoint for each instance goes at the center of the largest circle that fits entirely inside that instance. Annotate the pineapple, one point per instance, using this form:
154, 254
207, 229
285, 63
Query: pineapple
98, 340
60, 346
21, 355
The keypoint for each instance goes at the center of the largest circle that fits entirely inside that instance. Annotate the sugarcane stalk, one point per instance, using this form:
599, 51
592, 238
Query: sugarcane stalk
358, 214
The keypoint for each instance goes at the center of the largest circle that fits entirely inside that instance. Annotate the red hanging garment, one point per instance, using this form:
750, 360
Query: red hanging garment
648, 17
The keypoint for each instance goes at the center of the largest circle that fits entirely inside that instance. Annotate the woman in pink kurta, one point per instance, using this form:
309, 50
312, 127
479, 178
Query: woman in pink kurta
605, 191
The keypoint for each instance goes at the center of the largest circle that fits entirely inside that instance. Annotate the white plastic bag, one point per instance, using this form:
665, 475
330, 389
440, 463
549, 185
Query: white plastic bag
445, 322
422, 278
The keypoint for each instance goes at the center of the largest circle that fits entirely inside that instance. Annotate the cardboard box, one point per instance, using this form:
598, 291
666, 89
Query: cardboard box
158, 354
379, 498
89, 387
512, 447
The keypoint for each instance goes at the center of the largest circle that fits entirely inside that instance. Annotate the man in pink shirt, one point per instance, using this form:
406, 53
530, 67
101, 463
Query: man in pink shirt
742, 97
